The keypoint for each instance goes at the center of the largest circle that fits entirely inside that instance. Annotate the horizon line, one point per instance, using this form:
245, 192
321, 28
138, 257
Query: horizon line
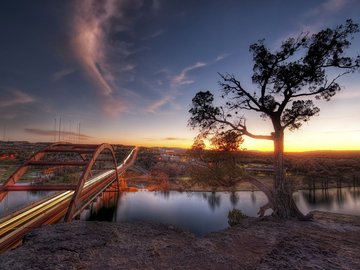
187, 148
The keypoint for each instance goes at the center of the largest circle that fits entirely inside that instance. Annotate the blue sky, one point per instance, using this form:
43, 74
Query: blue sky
127, 70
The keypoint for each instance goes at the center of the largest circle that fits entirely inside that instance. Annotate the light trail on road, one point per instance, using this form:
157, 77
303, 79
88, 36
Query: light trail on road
30, 217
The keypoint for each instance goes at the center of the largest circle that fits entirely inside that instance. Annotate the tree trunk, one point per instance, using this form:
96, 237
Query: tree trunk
284, 204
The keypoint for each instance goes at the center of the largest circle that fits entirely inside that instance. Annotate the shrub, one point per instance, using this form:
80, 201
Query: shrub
235, 217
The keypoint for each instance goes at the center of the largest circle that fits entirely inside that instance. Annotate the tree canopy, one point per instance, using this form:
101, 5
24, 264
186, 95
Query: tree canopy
287, 82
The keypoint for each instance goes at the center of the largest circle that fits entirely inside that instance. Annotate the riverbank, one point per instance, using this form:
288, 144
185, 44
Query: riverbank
331, 241
183, 186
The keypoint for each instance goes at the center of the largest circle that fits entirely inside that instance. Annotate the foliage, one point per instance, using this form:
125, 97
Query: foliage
217, 167
235, 217
161, 179
146, 158
198, 144
227, 141
287, 81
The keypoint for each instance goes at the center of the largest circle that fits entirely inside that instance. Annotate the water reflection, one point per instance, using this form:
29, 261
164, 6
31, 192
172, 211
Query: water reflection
103, 208
253, 197
205, 212
339, 200
198, 212
355, 192
16, 200
165, 194
213, 199
234, 198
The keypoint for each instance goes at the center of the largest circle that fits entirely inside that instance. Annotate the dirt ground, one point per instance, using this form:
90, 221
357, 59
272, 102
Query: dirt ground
330, 241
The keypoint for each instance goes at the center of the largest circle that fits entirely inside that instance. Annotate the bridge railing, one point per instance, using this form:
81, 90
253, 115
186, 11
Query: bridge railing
68, 204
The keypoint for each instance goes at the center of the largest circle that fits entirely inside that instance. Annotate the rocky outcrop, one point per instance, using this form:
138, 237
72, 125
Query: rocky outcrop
329, 242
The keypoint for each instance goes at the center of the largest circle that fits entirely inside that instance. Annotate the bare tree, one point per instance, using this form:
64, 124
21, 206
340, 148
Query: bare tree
287, 82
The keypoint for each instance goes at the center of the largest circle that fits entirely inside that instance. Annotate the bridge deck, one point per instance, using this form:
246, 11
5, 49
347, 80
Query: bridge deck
53, 208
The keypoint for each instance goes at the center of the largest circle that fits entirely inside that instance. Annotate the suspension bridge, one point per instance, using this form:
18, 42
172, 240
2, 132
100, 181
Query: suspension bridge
70, 200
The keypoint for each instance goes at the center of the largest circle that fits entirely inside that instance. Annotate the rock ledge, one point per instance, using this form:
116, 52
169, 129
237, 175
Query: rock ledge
331, 241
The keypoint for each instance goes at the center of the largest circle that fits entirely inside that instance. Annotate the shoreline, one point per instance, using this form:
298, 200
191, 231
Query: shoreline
224, 189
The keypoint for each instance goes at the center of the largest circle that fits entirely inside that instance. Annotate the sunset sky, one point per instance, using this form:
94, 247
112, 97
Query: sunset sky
126, 70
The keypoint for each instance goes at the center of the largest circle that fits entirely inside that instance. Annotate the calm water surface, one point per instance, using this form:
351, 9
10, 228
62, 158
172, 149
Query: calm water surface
205, 212
342, 200
198, 212
16, 200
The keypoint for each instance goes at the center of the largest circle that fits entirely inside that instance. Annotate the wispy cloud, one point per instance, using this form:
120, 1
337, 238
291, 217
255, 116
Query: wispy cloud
166, 139
182, 77
93, 24
14, 97
15, 102
153, 107
314, 20
328, 7
163, 71
97, 26
91, 20
174, 139
175, 82
62, 73
154, 34
114, 106
45, 132
221, 57
128, 68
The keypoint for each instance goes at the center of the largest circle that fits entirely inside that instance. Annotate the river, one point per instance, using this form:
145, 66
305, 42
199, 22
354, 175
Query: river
198, 212
205, 212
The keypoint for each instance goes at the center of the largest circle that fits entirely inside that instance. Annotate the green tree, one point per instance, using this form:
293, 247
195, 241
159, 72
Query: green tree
287, 81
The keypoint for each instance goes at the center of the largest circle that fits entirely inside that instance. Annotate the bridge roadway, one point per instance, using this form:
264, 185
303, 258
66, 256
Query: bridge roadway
53, 208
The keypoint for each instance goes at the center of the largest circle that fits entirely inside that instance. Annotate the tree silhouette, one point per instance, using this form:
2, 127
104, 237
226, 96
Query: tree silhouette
217, 167
287, 82
227, 141
198, 144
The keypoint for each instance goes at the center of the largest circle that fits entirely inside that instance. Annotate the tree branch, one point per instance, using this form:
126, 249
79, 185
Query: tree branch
238, 88
243, 130
321, 89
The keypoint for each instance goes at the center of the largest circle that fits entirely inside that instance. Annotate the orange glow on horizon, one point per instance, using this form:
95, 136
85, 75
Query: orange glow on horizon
314, 143
305, 139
